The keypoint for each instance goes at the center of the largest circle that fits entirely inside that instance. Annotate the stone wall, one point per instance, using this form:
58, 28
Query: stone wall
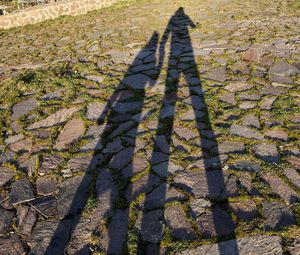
40, 13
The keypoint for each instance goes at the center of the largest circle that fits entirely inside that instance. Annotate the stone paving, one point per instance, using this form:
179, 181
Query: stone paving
147, 128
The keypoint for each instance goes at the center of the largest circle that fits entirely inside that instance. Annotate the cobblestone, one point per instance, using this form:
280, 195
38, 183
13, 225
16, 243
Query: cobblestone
147, 128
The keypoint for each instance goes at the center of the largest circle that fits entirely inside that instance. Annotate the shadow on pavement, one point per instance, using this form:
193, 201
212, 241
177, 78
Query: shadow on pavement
181, 62
118, 145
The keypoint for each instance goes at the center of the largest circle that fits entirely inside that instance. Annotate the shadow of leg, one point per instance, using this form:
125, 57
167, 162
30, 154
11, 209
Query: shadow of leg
117, 142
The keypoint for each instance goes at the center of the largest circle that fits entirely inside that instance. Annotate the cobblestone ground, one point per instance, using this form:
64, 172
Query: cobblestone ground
147, 128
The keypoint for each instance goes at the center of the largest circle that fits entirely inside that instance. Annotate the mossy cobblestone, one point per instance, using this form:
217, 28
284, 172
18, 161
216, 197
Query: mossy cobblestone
118, 182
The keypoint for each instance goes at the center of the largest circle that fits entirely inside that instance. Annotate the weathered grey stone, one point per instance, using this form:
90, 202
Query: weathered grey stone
229, 147
43, 133
165, 169
158, 157
122, 95
277, 134
198, 206
246, 132
245, 165
191, 115
277, 216
82, 163
29, 165
280, 79
267, 152
228, 98
215, 222
94, 78
140, 143
249, 97
216, 74
5, 201
23, 108
240, 67
142, 185
95, 131
72, 195
16, 126
216, 162
293, 176
21, 192
6, 157
49, 163
281, 189
167, 111
136, 81
126, 107
26, 219
113, 238
21, 146
92, 146
251, 120
52, 96
49, 237
246, 105
181, 229
238, 86
46, 206
6, 174
46, 186
144, 115
161, 195
82, 233
71, 132
139, 164
196, 102
122, 158
213, 184
245, 210
295, 162
295, 119
272, 90
294, 248
122, 128
95, 111
147, 68
162, 143
283, 68
259, 244
14, 139
152, 226
267, 102
291, 151
55, 119
186, 133
11, 246
273, 123
5, 220
114, 146
106, 191
245, 180
253, 54
204, 143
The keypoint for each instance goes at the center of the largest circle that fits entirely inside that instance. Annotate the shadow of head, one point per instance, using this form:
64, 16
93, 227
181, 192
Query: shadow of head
183, 17
153, 41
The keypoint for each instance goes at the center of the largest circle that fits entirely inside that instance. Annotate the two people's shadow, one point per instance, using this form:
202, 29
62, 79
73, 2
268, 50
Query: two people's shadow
120, 145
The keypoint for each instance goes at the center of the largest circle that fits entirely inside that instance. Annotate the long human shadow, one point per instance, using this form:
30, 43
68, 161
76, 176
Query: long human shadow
182, 62
126, 102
